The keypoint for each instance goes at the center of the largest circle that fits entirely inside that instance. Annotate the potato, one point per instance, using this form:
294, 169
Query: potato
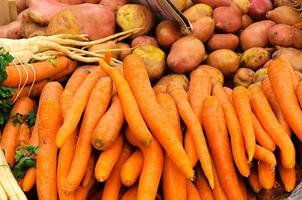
154, 59
259, 8
132, 16
114, 4
105, 46
125, 50
227, 61
11, 30
244, 5
198, 11
294, 56
284, 15
243, 77
203, 28
256, 35
285, 36
246, 20
162, 84
214, 3
214, 73
260, 75
180, 4
227, 19
255, 57
278, 3
223, 41
185, 54
31, 29
167, 32
144, 40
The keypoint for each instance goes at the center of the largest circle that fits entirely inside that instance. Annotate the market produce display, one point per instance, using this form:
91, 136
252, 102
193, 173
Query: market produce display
101, 99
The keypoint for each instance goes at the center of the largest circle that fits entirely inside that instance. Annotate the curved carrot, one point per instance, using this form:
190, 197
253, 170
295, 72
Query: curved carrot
190, 149
50, 119
190, 118
132, 168
265, 155
288, 177
130, 194
192, 191
254, 181
203, 187
233, 125
64, 73
23, 135
266, 175
136, 74
108, 159
109, 126
244, 112
10, 132
280, 76
216, 131
29, 179
31, 91
271, 125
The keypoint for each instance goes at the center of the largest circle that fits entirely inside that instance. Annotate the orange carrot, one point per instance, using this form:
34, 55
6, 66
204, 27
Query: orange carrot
136, 74
243, 187
192, 191
270, 124
299, 93
62, 74
265, 155
244, 112
82, 192
29, 179
218, 192
132, 168
190, 149
233, 125
23, 135
130, 194
10, 132
229, 93
203, 187
254, 181
31, 91
280, 76
89, 174
266, 175
50, 119
216, 131
288, 177
109, 126
190, 118
113, 184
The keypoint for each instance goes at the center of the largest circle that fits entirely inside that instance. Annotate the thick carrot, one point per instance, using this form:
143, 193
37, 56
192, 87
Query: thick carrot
10, 132
261, 135
299, 93
266, 87
36, 71
130, 194
132, 168
97, 104
192, 192
136, 74
280, 76
50, 119
254, 181
216, 131
109, 126
288, 177
23, 135
31, 91
266, 175
113, 184
63, 74
203, 187
244, 112
271, 125
265, 155
190, 149
190, 118
233, 125
218, 192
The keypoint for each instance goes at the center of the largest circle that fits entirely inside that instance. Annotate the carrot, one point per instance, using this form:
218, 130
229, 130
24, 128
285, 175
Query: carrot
266, 175
50, 119
31, 91
190, 149
218, 192
254, 181
203, 187
243, 187
261, 135
288, 177
130, 194
96, 106
265, 155
192, 191
271, 125
108, 159
280, 76
216, 131
62, 74
82, 192
137, 77
190, 118
23, 135
10, 132
162, 84
267, 89
299, 93
244, 112
29, 179
233, 125
113, 184
132, 168
34, 72
229, 93
109, 126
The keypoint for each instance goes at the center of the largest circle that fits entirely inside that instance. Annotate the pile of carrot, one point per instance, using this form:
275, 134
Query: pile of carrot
111, 134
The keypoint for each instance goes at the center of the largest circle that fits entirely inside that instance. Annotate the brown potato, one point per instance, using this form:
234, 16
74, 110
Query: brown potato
198, 11
125, 50
223, 41
203, 28
255, 57
162, 84
284, 15
294, 56
144, 40
243, 77
285, 36
167, 32
260, 75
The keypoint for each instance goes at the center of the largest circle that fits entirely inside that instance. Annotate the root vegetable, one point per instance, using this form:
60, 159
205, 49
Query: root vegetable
198, 11
30, 28
278, 3
214, 3
294, 56
285, 36
180, 4
246, 20
284, 15
260, 75
227, 19
114, 4
11, 30
167, 32
259, 8
203, 28
125, 50
244, 77
254, 57
162, 84
223, 41
144, 40
106, 46
244, 5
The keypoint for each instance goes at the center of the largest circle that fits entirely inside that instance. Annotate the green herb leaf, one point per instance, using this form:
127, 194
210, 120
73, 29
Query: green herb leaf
5, 59
5, 105
30, 119
18, 119
53, 61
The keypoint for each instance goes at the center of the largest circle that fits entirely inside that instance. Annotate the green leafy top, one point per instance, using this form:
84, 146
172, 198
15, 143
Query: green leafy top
30, 119
19, 119
5, 59
5, 106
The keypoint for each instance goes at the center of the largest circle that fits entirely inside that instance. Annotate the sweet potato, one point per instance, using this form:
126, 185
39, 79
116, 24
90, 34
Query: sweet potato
154, 59
227, 19
203, 28
256, 35
278, 3
223, 41
243, 77
144, 40
186, 54
259, 8
244, 5
180, 4
198, 11
294, 56
227, 61
131, 16
285, 36
125, 50
284, 15
254, 57
167, 32
114, 4
260, 75
246, 20
214, 3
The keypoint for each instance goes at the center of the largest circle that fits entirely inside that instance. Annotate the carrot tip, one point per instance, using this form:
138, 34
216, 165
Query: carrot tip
147, 142
98, 144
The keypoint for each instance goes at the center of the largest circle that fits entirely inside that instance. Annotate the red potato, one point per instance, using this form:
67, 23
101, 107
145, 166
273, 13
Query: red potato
246, 20
284, 15
294, 56
198, 11
223, 41
259, 8
186, 54
285, 36
203, 28
125, 50
214, 3
167, 32
255, 57
256, 35
244, 5
244, 77
144, 40
227, 19
114, 4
